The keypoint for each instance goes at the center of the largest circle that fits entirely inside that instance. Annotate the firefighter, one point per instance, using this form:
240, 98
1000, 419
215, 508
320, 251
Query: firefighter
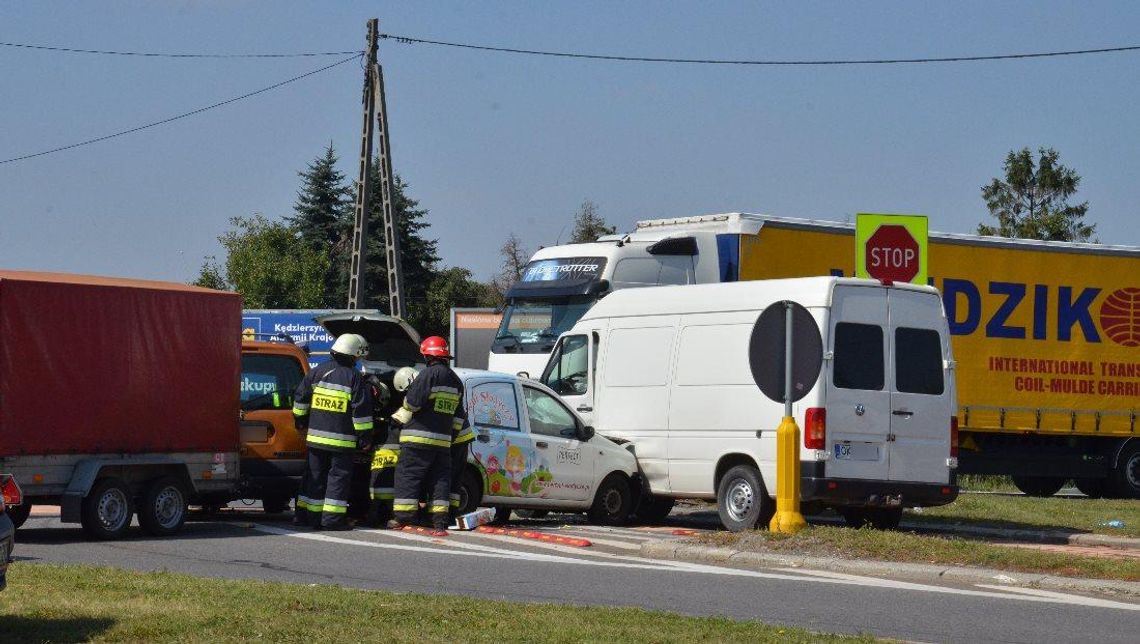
387, 436
432, 406
334, 405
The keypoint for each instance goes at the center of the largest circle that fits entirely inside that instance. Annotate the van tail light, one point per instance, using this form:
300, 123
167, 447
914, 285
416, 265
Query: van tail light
12, 493
953, 437
815, 428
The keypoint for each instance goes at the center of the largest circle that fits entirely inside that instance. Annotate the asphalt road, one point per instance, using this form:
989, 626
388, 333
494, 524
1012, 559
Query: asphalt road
252, 545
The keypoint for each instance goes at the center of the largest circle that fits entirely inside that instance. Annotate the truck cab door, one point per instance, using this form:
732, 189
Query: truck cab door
569, 372
921, 389
858, 399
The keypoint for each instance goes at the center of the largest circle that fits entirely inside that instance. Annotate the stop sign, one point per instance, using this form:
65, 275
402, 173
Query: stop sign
892, 254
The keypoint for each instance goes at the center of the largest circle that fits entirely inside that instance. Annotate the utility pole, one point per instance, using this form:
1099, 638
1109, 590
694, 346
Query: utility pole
375, 113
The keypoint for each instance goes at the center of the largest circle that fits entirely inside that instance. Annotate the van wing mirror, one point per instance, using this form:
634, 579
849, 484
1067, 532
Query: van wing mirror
586, 433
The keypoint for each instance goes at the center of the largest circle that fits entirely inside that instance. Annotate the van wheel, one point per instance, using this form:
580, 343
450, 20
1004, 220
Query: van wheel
853, 517
612, 503
1124, 481
106, 511
470, 492
19, 513
653, 509
884, 518
163, 508
741, 500
1038, 485
1092, 488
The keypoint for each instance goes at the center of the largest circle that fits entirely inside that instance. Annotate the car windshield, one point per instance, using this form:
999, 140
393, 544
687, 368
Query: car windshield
533, 323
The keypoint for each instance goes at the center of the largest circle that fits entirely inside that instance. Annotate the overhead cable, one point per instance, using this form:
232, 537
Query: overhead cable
152, 54
180, 116
719, 61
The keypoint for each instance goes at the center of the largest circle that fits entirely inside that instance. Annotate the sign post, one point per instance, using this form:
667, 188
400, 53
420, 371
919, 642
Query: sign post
785, 354
891, 248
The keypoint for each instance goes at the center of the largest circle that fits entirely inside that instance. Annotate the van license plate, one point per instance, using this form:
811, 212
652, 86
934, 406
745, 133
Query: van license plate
856, 451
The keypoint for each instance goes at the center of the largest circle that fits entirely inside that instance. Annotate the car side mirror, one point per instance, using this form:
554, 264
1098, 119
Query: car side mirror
586, 433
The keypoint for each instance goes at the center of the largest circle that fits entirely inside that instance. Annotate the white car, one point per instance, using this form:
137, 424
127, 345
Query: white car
532, 452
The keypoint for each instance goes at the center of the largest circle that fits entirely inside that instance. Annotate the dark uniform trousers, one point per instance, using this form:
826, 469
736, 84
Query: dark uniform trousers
382, 487
323, 499
424, 472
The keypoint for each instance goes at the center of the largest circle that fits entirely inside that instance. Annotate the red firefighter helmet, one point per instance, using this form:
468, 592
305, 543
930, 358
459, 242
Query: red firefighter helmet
435, 347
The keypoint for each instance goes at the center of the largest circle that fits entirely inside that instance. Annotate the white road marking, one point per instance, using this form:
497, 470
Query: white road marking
1069, 598
798, 575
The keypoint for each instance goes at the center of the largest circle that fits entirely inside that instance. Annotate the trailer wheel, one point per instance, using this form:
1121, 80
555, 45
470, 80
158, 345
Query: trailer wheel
19, 513
1038, 485
163, 508
1093, 488
741, 500
106, 510
1124, 481
612, 503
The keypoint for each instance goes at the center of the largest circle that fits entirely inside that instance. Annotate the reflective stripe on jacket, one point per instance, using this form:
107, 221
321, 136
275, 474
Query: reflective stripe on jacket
337, 404
436, 402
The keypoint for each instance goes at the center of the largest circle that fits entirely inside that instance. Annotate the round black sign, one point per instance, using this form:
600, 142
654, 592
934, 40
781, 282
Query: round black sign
766, 351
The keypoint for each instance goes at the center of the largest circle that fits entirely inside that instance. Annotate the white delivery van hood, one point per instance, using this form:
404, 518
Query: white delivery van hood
392, 342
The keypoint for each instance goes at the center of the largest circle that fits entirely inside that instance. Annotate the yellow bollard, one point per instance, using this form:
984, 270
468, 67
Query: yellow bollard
787, 519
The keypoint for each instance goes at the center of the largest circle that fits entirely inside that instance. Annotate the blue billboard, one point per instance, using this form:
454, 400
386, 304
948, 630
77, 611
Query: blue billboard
261, 324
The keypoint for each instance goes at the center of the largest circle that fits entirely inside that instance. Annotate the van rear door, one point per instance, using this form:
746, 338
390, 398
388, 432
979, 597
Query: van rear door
921, 389
858, 399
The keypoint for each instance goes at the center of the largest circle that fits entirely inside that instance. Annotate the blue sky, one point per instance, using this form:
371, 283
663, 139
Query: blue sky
496, 143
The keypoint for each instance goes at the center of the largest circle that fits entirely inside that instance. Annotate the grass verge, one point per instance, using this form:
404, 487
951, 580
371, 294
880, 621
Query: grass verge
986, 483
890, 545
1062, 514
49, 603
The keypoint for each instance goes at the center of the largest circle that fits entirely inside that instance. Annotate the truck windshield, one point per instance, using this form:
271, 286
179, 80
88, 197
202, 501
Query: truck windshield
533, 325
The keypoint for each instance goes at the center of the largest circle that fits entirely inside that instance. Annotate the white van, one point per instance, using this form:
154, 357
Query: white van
667, 370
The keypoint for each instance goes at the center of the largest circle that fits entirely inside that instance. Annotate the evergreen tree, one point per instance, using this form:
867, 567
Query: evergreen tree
1032, 201
323, 216
588, 224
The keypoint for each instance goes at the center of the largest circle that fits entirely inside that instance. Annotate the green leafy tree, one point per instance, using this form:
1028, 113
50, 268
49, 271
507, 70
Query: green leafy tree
451, 287
323, 217
269, 263
1032, 201
588, 224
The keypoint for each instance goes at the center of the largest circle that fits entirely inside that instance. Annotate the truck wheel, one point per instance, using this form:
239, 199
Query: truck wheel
19, 513
1124, 481
470, 492
106, 510
612, 503
741, 500
163, 508
1038, 485
653, 509
1092, 488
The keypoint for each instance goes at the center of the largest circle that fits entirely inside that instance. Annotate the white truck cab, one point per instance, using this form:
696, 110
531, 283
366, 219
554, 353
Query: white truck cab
531, 451
666, 371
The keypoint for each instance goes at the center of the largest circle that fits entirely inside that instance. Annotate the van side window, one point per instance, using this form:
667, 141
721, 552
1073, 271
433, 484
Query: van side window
568, 368
858, 362
268, 381
918, 361
494, 405
547, 415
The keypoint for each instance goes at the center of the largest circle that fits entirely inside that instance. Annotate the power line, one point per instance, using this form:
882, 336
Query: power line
180, 116
718, 61
151, 54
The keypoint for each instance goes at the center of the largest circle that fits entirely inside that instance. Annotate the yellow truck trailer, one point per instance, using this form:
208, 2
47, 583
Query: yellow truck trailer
1046, 336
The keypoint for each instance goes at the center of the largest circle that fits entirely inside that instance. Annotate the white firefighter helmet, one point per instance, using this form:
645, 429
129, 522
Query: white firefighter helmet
403, 378
350, 344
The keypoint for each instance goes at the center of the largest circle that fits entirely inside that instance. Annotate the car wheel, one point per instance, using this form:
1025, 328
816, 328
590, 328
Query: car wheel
19, 513
1124, 481
470, 491
532, 514
741, 500
653, 509
613, 502
1093, 488
163, 508
1038, 485
106, 511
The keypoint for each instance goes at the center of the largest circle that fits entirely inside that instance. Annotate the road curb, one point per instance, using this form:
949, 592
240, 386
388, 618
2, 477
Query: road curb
1038, 536
680, 550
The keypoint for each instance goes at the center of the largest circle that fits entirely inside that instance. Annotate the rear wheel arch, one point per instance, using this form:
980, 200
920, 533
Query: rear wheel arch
729, 461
